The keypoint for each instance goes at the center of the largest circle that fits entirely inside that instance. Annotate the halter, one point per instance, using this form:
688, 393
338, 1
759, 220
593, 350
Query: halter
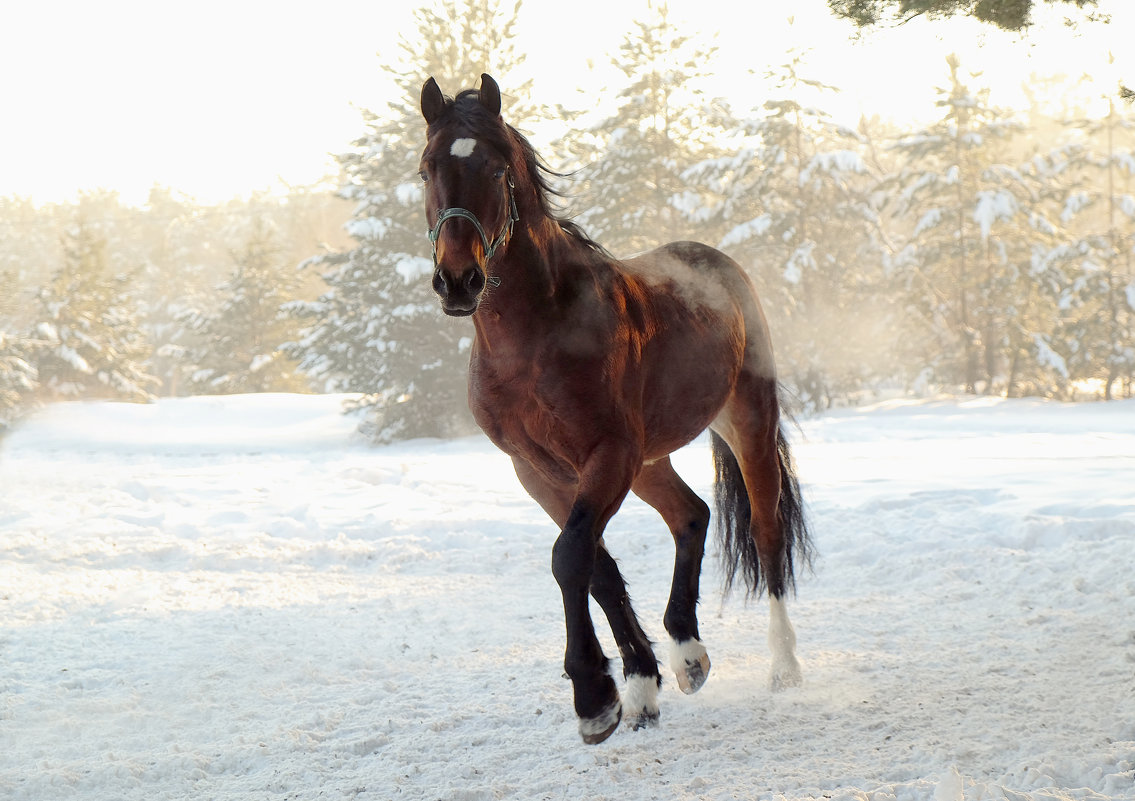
490, 247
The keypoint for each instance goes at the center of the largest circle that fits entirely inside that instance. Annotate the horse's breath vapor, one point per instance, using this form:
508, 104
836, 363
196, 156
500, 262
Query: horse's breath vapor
589, 372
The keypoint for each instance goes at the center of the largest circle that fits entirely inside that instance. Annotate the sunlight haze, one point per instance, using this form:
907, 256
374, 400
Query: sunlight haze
217, 100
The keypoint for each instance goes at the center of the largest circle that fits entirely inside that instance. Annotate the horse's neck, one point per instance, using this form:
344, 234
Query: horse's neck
538, 270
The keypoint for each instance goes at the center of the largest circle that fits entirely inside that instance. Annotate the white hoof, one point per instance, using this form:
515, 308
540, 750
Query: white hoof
690, 663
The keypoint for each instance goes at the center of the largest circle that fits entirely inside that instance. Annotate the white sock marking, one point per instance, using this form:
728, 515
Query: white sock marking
591, 727
687, 652
641, 695
462, 148
782, 643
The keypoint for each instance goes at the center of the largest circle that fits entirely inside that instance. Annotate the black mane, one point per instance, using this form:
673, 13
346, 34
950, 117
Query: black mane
467, 109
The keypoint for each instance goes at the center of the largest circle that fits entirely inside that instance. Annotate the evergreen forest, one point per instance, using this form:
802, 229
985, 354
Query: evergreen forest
989, 252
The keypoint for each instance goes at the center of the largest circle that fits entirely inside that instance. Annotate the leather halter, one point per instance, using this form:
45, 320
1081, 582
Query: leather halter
490, 247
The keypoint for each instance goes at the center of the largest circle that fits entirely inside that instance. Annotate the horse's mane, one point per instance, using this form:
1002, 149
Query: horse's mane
506, 139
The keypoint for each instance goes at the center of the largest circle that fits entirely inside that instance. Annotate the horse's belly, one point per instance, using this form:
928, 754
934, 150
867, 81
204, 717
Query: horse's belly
684, 391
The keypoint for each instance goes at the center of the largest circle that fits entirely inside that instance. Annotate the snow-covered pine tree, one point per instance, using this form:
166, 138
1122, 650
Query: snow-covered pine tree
183, 248
29, 241
794, 205
635, 191
377, 329
90, 343
18, 377
1099, 331
943, 272
239, 343
1023, 256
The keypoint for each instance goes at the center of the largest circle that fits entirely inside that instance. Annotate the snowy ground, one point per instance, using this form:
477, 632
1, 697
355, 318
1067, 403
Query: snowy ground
230, 598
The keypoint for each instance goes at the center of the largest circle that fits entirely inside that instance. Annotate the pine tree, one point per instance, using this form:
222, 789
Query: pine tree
240, 342
943, 193
794, 206
1024, 257
635, 189
377, 330
1009, 15
1100, 333
183, 248
91, 343
29, 241
18, 377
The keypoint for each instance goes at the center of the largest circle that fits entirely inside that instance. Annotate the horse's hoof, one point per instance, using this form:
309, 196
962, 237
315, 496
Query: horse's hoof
640, 701
643, 719
690, 663
785, 675
597, 729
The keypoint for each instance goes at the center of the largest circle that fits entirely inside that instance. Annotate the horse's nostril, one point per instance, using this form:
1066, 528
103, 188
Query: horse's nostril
474, 281
439, 284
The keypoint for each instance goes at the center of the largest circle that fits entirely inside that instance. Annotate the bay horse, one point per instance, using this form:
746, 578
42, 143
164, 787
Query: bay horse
589, 371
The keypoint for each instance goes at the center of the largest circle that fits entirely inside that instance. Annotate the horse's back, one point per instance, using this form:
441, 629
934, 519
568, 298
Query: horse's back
709, 280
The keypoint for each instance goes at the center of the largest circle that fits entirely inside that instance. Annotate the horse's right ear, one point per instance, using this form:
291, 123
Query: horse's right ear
433, 101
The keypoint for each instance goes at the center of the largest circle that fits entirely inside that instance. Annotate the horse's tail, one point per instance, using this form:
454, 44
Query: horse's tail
738, 551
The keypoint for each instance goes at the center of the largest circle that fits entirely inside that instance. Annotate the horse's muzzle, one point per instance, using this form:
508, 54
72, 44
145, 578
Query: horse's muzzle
460, 294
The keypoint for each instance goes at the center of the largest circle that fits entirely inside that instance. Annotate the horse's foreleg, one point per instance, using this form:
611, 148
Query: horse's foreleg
687, 516
604, 481
609, 590
640, 667
573, 564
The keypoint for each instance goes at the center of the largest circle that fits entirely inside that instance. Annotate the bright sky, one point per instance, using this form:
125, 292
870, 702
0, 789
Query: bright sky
218, 99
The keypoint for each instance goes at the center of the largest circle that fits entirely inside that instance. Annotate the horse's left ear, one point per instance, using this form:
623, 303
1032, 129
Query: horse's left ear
490, 94
433, 101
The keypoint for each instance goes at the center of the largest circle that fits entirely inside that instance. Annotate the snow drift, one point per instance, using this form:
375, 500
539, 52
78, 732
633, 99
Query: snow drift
231, 598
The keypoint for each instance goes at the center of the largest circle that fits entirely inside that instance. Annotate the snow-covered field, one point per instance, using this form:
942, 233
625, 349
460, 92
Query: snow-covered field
231, 598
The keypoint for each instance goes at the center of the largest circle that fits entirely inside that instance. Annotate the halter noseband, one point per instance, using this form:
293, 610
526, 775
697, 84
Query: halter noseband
490, 247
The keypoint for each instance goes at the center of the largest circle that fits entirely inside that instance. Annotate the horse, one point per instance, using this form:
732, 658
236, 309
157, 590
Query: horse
589, 371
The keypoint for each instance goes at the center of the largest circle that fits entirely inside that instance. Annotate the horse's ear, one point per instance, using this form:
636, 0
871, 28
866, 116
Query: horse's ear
490, 94
433, 101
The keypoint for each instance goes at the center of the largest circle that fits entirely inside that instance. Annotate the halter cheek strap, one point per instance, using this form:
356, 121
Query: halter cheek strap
490, 247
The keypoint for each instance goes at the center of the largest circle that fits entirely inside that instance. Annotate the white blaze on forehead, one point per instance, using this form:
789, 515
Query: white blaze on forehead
462, 148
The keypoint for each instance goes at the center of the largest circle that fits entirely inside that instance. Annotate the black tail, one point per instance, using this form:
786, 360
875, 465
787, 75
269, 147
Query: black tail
738, 551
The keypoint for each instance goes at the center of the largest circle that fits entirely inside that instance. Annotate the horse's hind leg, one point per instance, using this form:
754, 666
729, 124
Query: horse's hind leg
776, 524
687, 517
640, 668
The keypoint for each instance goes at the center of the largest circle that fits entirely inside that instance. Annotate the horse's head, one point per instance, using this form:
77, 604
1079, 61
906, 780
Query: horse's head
468, 188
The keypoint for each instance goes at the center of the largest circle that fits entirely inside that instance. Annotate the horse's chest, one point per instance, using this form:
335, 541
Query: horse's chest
520, 421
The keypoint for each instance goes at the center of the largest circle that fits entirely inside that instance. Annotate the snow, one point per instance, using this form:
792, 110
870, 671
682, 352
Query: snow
752, 229
1047, 357
367, 228
992, 206
1076, 202
837, 161
928, 220
233, 598
413, 268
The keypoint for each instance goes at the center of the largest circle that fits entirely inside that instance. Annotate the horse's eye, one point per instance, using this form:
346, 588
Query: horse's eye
500, 173
425, 176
